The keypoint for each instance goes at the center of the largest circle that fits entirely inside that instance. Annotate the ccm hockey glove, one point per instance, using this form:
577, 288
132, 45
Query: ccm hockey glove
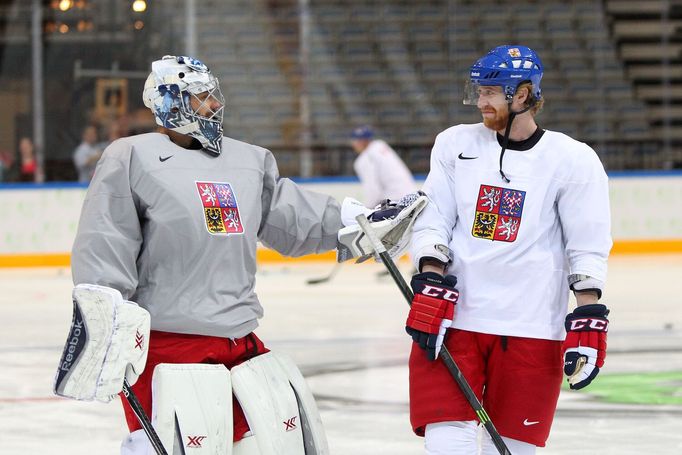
432, 310
585, 344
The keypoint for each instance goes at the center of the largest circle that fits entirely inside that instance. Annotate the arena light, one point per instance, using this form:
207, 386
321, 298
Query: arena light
65, 5
50, 26
84, 26
139, 6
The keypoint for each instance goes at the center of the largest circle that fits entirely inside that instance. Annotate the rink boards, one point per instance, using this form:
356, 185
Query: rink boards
40, 221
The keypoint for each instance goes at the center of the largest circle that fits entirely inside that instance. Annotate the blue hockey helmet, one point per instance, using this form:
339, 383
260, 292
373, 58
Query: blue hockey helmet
362, 132
507, 67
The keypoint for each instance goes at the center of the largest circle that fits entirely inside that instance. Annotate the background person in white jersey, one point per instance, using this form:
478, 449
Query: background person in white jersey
519, 215
382, 173
172, 218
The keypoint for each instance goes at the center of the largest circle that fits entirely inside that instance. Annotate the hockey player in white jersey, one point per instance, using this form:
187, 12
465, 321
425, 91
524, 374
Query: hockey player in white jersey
164, 264
382, 174
518, 216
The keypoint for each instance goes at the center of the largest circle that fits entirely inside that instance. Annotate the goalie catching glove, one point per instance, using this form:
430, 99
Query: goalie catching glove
432, 310
391, 221
585, 344
107, 343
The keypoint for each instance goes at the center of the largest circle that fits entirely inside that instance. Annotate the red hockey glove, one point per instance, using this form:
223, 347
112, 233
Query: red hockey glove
432, 311
585, 345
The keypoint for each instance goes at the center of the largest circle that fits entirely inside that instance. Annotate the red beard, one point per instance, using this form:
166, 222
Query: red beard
497, 123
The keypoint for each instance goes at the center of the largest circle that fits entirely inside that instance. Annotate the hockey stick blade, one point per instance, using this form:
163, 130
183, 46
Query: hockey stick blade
444, 355
327, 278
323, 279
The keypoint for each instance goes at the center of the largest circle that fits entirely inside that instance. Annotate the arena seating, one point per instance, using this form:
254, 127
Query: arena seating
400, 66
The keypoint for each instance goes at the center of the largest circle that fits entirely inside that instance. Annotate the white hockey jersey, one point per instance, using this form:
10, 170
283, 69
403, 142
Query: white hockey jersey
383, 174
514, 243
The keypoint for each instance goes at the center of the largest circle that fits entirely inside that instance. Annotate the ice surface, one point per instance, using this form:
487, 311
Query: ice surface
347, 337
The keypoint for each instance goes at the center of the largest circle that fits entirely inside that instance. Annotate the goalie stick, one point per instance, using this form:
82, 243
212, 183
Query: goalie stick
444, 355
144, 420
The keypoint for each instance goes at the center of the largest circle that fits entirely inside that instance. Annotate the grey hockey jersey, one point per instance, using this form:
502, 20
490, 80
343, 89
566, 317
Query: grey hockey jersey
176, 230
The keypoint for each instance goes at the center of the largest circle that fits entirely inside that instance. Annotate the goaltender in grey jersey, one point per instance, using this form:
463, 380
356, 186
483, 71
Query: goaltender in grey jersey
171, 223
176, 230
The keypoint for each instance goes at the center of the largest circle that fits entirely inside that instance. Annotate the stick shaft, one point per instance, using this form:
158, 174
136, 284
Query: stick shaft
144, 420
444, 355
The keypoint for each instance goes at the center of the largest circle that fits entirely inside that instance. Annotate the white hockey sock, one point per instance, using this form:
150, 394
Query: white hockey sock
515, 446
447, 438
136, 443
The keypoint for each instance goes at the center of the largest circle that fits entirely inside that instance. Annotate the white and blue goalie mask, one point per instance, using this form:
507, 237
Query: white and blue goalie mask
185, 97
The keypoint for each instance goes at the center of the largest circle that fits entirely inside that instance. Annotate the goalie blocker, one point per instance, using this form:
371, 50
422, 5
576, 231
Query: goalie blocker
192, 410
107, 343
391, 222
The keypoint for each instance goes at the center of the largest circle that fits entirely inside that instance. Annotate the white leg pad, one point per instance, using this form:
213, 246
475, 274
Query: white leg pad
314, 437
246, 446
279, 407
192, 407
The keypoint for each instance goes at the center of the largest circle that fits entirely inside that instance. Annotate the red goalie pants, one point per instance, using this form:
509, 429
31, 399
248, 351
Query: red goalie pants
165, 347
516, 379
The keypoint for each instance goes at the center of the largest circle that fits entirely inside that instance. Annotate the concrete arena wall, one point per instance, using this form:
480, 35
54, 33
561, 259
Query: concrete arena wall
39, 222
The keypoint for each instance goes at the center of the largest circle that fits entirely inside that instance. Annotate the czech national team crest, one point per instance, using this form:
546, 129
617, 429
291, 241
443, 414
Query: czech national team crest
498, 213
221, 211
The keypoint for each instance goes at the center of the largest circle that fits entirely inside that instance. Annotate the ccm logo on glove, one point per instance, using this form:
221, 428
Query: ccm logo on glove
599, 325
446, 294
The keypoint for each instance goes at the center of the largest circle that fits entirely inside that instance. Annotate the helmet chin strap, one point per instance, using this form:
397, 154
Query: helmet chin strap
507, 131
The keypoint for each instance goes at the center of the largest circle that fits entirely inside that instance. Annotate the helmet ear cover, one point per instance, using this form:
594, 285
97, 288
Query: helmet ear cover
171, 95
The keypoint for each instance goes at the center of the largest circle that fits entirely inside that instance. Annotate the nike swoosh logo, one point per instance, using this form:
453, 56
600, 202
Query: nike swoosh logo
527, 423
462, 157
165, 158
